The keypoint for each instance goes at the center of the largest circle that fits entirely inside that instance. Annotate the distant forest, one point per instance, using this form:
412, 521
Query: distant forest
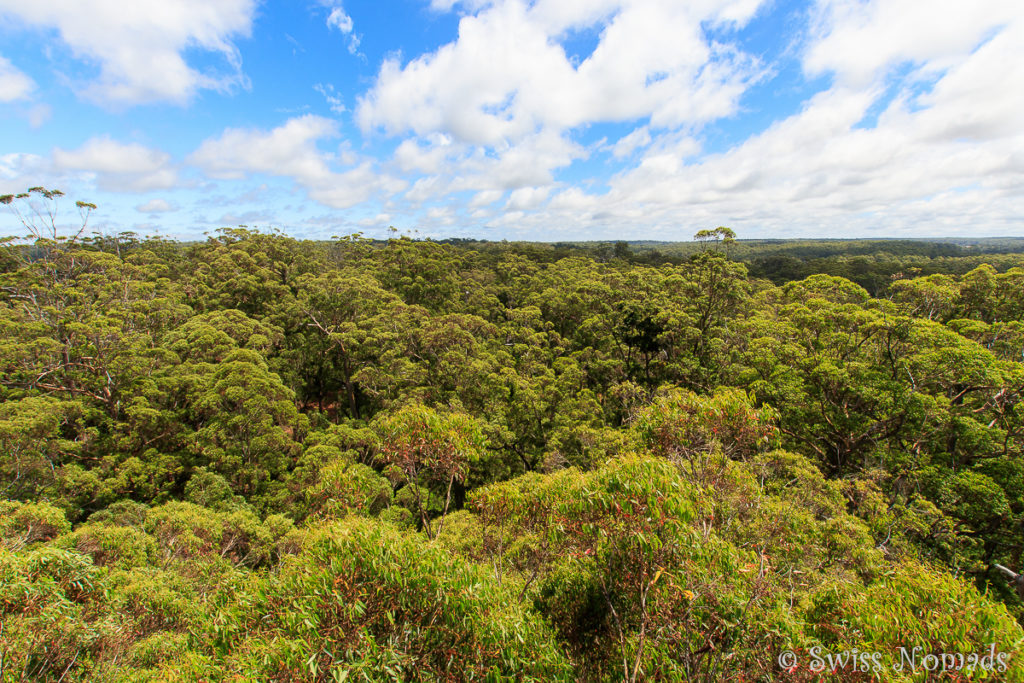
871, 263
261, 458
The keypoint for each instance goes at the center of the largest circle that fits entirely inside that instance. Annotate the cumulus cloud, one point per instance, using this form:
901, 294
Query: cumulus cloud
508, 75
911, 126
856, 40
139, 46
526, 198
119, 167
290, 150
951, 161
20, 171
354, 186
14, 85
499, 109
531, 162
426, 157
918, 131
453, 167
627, 144
156, 206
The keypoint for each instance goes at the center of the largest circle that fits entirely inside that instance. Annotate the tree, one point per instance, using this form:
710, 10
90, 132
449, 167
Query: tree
248, 427
32, 447
720, 235
421, 447
37, 209
339, 311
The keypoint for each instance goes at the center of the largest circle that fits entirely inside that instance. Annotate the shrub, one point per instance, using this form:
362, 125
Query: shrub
681, 424
111, 546
24, 524
344, 487
366, 599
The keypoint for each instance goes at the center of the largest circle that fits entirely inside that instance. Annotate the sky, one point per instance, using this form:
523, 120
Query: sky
517, 119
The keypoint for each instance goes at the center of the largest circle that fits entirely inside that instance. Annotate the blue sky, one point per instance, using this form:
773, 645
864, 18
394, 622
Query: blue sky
516, 119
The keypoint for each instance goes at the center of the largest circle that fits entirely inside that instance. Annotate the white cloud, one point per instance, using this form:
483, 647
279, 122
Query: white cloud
18, 171
453, 167
917, 130
508, 76
532, 162
290, 150
485, 198
627, 144
14, 85
355, 186
379, 221
857, 40
430, 187
440, 216
497, 110
526, 198
981, 98
946, 153
332, 96
573, 199
139, 45
919, 171
119, 167
156, 206
410, 155
337, 19
448, 5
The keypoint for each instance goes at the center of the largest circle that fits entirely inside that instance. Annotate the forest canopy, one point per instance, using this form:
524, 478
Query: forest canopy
262, 458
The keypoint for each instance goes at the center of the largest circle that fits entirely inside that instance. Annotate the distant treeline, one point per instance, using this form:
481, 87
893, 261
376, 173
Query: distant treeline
871, 263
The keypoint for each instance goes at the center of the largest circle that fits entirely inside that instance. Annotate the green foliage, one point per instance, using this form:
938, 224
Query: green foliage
31, 441
113, 546
185, 531
347, 487
885, 617
248, 423
43, 604
256, 458
210, 490
24, 524
684, 425
363, 600
421, 447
